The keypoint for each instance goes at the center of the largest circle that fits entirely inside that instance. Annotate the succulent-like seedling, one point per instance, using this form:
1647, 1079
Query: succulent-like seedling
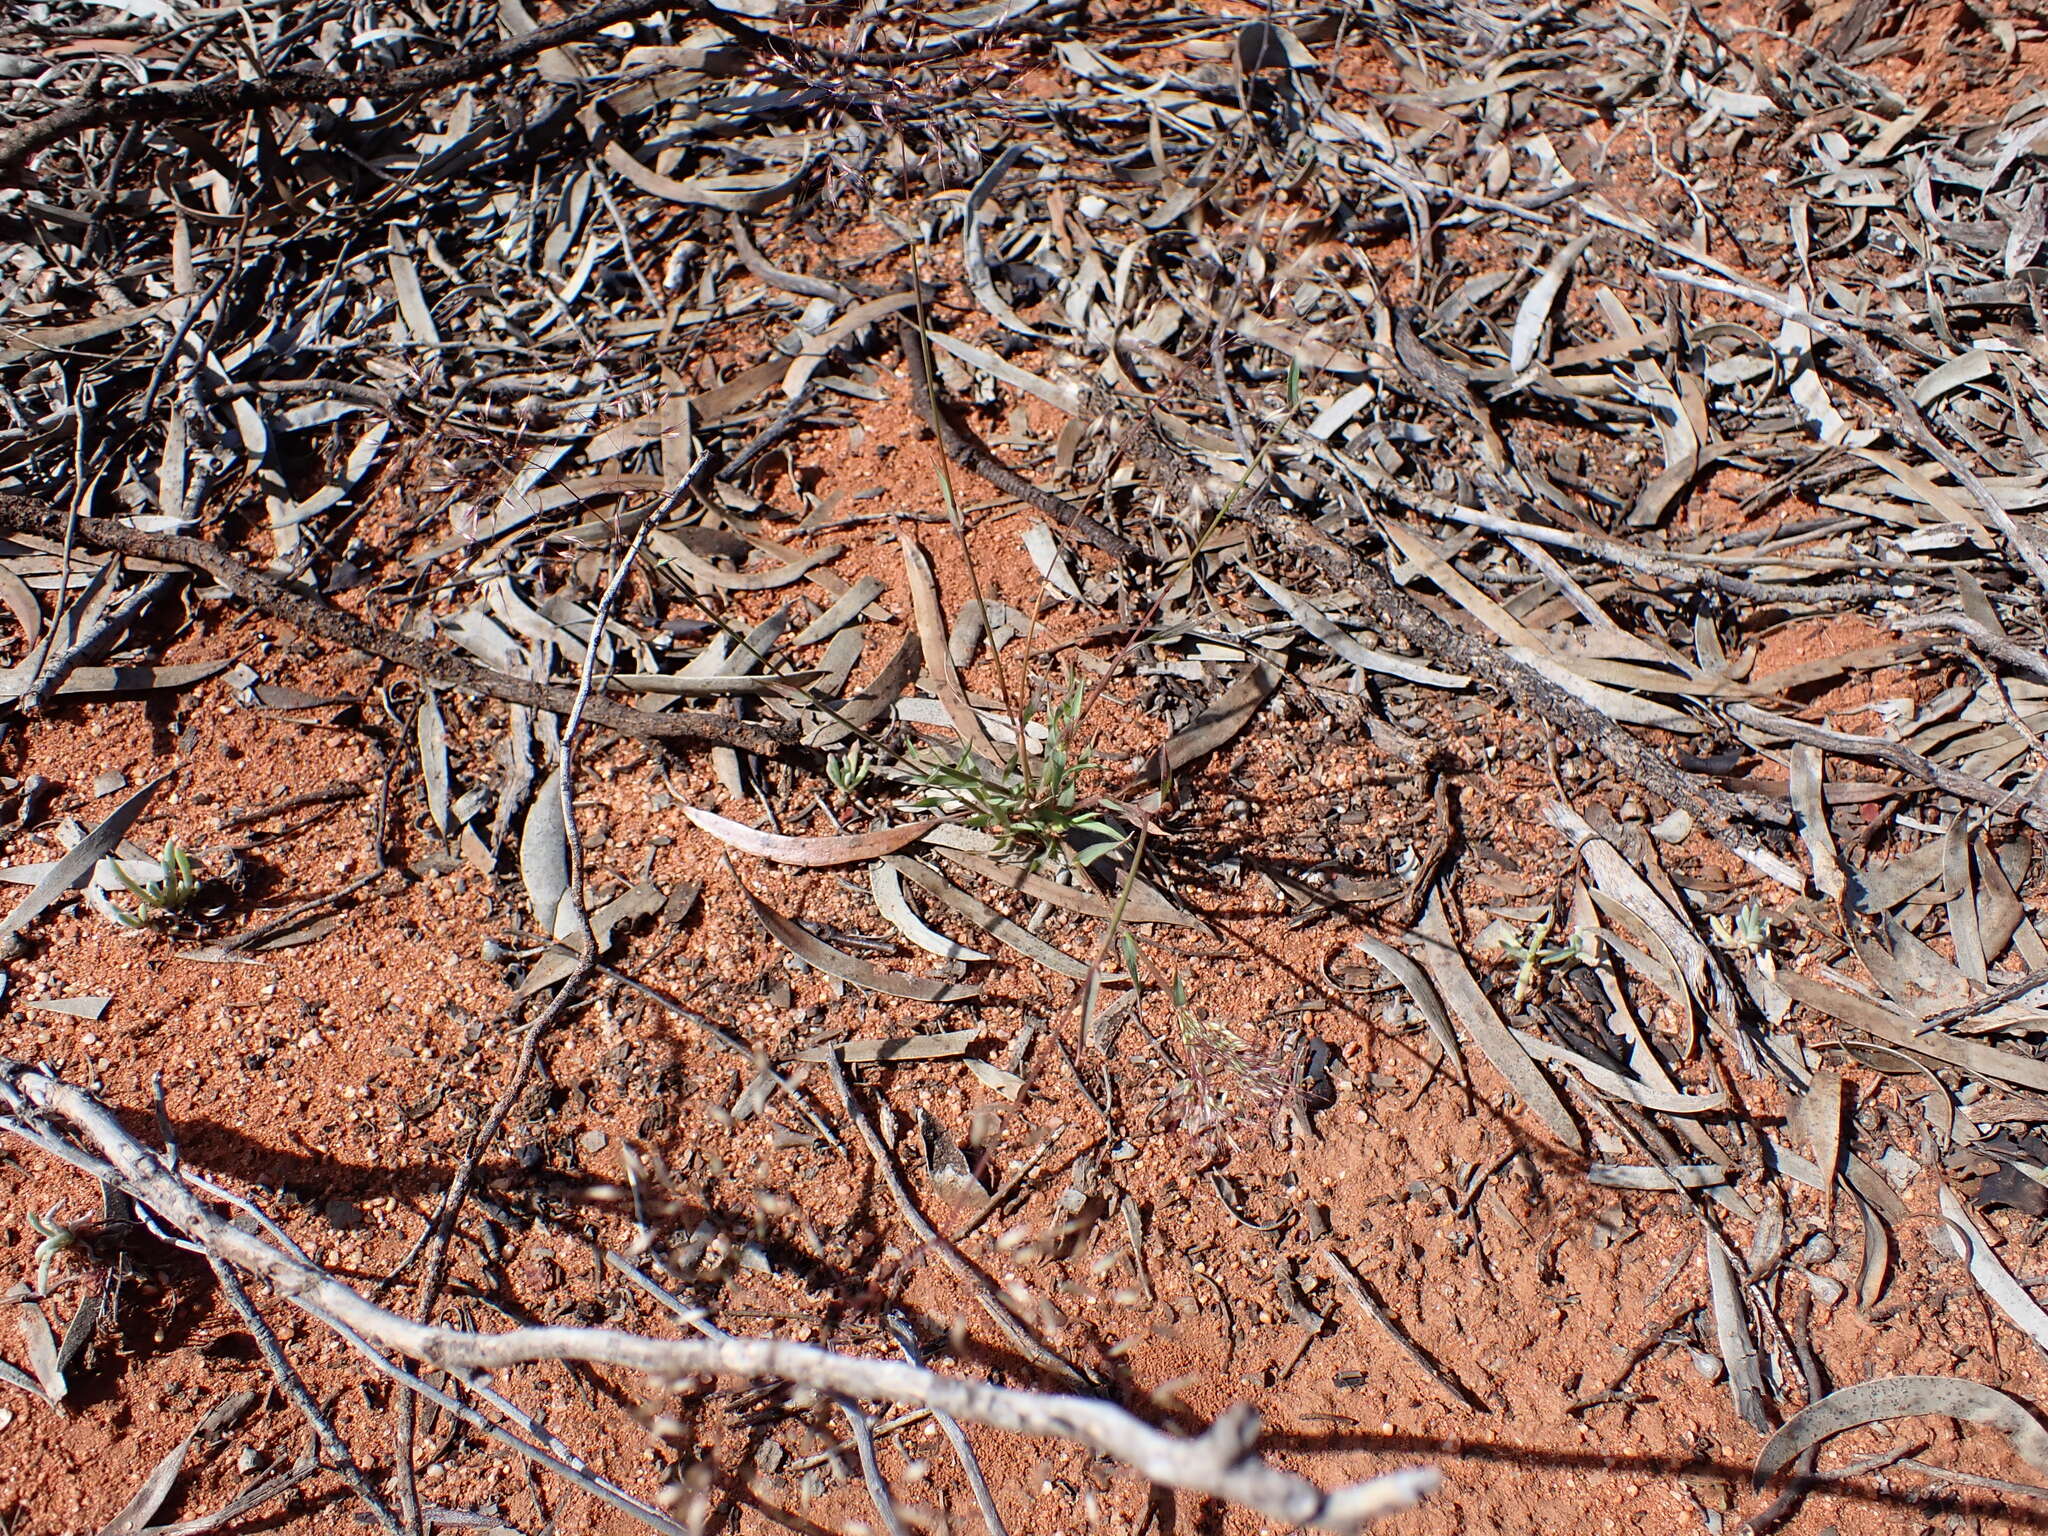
175, 888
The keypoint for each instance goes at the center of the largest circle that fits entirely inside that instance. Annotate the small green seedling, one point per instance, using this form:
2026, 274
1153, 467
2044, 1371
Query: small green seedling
1030, 804
56, 1237
1749, 934
166, 896
1534, 953
849, 771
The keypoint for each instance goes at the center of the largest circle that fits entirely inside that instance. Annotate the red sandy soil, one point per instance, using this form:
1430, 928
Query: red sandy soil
339, 1082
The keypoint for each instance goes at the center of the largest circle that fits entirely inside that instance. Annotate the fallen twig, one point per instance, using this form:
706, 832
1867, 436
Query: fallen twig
999, 1312
1362, 1297
2028, 807
906, 1340
334, 1450
218, 100
327, 794
870, 1469
971, 453
1220, 1461
314, 617
1996, 646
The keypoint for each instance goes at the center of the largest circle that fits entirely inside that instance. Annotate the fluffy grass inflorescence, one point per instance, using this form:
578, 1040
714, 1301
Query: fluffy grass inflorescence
1231, 1085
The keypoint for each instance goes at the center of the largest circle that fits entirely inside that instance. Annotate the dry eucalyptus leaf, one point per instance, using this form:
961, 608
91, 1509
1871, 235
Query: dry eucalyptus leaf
76, 866
1902, 1397
813, 950
544, 854
810, 852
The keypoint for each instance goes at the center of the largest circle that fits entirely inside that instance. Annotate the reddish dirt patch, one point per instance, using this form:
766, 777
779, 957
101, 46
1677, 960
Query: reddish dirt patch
338, 1083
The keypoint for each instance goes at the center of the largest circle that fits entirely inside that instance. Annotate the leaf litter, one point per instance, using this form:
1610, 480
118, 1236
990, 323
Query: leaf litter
1394, 392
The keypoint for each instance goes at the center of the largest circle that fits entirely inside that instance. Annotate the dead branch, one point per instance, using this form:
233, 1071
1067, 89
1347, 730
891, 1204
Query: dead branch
311, 616
2019, 657
2028, 805
1220, 1462
971, 453
1449, 646
218, 100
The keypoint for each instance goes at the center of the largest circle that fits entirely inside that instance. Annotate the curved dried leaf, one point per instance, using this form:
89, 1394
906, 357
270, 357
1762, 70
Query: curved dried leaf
1417, 986
1874, 1267
15, 681
1903, 1397
1615, 877
1536, 304
1442, 959
41, 1345
813, 950
887, 887
433, 744
748, 193
544, 854
706, 577
1991, 1275
810, 852
1143, 904
21, 602
931, 633
985, 917
845, 611
973, 255
1059, 396
1218, 724
1322, 627
1617, 1086
1900, 1029
20, 343
137, 1513
1732, 1334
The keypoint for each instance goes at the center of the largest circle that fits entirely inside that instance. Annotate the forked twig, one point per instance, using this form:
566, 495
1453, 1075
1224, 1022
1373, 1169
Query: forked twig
1221, 1462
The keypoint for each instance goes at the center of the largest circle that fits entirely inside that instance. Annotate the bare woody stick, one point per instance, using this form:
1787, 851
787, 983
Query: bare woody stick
1221, 1462
310, 615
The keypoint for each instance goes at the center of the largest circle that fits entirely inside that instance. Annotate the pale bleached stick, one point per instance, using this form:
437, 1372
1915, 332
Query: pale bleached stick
1220, 1462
